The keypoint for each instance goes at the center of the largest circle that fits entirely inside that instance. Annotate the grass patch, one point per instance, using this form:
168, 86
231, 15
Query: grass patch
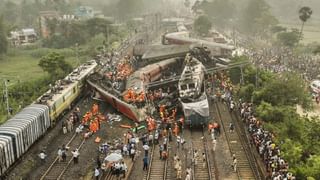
311, 33
22, 65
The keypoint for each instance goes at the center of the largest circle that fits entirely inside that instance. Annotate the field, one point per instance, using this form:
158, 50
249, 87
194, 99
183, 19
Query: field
311, 32
22, 65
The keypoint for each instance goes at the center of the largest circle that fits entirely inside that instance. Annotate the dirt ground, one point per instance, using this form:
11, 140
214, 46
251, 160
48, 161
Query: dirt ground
30, 167
314, 112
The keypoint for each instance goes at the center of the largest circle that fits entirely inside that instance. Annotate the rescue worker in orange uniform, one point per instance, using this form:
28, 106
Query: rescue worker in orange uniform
174, 113
210, 127
176, 129
95, 109
86, 117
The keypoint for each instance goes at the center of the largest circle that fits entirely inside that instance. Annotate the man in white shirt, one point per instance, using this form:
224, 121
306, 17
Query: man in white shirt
59, 155
96, 173
132, 153
42, 156
123, 169
188, 176
75, 155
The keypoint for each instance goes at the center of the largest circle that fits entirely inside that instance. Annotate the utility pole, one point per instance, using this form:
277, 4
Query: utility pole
6, 96
77, 54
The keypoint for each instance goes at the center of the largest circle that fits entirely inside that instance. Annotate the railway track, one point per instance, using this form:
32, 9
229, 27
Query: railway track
57, 169
246, 166
202, 170
157, 169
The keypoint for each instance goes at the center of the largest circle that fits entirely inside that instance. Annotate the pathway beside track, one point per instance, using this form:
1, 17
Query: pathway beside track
203, 170
157, 167
246, 167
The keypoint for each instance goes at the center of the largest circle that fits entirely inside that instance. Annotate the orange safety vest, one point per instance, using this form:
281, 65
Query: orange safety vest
176, 130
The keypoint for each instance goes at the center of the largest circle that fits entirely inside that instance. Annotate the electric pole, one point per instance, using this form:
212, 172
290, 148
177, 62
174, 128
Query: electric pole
6, 96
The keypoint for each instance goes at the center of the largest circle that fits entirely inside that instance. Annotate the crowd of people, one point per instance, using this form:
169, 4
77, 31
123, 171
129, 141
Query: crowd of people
282, 59
262, 140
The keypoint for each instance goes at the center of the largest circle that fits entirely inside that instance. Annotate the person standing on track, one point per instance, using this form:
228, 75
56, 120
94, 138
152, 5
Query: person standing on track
188, 177
234, 163
160, 150
179, 171
42, 156
59, 154
145, 163
124, 169
189, 171
96, 173
132, 153
203, 160
231, 127
75, 155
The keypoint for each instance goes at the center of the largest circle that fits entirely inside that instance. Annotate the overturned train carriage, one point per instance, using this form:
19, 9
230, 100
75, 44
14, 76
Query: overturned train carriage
20, 132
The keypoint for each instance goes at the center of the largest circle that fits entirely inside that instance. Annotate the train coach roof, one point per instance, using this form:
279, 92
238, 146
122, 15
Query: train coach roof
159, 52
32, 110
68, 83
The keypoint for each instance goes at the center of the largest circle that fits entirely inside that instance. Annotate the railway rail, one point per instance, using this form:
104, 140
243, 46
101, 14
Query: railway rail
246, 166
202, 170
57, 169
157, 169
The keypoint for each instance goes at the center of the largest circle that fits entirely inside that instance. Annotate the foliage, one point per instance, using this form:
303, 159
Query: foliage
235, 73
78, 32
55, 65
289, 39
277, 29
246, 92
40, 52
256, 18
24, 93
129, 8
292, 151
287, 89
202, 25
3, 38
221, 11
316, 50
275, 99
304, 14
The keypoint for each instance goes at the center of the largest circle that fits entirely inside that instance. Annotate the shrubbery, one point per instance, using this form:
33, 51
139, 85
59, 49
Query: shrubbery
275, 99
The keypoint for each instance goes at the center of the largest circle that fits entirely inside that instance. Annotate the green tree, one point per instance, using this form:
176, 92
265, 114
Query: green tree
55, 65
289, 39
278, 29
316, 50
202, 25
304, 14
256, 18
220, 11
3, 38
96, 26
129, 8
287, 89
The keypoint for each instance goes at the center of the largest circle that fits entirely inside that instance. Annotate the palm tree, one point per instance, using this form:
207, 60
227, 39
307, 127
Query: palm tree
304, 14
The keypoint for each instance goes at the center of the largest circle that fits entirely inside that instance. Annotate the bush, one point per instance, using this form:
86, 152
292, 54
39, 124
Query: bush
38, 53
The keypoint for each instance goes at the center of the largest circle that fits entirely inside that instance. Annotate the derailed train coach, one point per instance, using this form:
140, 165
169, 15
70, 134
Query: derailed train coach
20, 132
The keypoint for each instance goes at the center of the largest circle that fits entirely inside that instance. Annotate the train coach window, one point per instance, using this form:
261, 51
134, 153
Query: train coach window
63, 99
192, 85
74, 90
183, 87
54, 107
